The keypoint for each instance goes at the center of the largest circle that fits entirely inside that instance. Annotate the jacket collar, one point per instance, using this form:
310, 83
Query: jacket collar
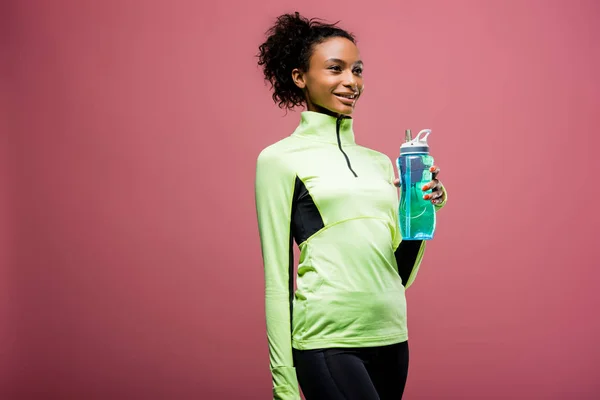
324, 128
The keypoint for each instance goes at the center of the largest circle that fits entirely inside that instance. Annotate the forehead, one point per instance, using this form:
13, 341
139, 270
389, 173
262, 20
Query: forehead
339, 48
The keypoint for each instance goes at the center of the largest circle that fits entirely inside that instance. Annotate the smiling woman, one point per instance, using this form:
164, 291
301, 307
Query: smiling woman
342, 334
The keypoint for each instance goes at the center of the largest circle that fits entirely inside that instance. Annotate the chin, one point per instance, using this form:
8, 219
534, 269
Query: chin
347, 110
334, 110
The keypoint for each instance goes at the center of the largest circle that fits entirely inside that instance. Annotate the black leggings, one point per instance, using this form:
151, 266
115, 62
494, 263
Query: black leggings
370, 373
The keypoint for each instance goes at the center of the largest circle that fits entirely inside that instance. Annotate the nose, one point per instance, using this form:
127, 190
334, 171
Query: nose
351, 82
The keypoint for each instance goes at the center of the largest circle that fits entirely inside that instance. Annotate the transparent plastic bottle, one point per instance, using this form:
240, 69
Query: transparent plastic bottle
415, 214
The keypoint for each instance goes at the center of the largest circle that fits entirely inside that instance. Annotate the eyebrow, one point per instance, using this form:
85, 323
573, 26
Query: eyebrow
337, 60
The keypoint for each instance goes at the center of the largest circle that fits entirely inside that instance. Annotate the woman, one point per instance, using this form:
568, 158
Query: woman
342, 334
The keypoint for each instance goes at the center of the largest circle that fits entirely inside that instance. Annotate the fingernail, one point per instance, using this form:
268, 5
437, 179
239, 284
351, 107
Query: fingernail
425, 187
427, 197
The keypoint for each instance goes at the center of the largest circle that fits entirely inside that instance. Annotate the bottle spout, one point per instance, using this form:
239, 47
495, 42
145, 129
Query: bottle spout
407, 136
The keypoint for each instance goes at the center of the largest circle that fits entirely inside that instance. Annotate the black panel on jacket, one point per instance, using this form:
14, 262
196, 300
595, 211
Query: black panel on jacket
406, 256
306, 219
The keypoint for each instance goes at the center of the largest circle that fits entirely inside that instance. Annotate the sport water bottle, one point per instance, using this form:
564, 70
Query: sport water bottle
416, 215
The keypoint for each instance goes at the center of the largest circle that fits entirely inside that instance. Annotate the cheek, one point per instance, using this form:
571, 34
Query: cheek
330, 85
322, 87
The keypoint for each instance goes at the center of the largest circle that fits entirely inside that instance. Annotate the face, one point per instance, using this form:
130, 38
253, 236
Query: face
333, 82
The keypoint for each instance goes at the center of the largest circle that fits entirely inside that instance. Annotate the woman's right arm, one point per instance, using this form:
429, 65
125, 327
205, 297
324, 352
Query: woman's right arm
274, 190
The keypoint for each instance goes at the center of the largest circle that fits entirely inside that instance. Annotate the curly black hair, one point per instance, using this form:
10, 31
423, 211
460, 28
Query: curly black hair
289, 45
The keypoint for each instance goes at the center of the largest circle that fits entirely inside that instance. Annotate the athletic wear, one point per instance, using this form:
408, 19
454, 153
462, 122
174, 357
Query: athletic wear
337, 200
367, 373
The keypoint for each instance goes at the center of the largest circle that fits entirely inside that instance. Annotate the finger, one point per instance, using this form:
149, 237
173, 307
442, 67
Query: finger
435, 197
433, 185
435, 170
437, 193
440, 199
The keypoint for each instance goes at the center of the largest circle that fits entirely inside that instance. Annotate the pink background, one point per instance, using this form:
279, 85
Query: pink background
130, 257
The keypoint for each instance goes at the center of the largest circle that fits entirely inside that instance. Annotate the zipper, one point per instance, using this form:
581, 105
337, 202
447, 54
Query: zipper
337, 131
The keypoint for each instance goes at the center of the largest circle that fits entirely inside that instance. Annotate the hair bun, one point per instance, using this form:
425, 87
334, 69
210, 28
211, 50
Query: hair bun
293, 26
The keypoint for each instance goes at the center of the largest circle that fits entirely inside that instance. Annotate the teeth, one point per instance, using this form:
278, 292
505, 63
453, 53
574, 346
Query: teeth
348, 96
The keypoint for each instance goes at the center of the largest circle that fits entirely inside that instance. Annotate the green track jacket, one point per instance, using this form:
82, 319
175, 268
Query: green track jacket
337, 201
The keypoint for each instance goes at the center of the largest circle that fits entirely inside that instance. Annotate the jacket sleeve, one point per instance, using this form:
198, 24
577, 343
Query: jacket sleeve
409, 253
274, 190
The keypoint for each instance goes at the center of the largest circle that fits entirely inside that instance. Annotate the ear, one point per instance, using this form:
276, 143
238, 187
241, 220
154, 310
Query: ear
298, 78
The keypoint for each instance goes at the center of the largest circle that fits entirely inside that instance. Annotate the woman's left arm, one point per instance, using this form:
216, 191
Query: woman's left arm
409, 253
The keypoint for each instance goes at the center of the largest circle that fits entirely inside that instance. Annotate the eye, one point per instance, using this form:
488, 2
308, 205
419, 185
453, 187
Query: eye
358, 71
335, 68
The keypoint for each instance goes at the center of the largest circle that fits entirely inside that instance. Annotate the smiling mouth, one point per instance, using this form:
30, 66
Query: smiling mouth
346, 96
349, 100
